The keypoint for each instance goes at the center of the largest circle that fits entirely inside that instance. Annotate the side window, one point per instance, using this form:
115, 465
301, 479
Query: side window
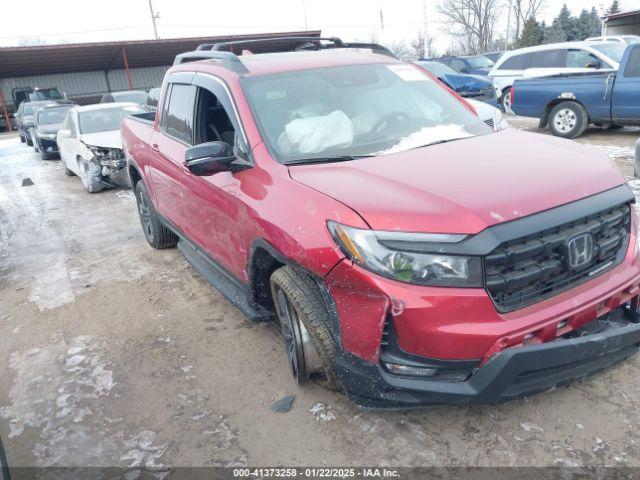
514, 63
213, 123
69, 125
632, 70
580, 59
177, 120
547, 59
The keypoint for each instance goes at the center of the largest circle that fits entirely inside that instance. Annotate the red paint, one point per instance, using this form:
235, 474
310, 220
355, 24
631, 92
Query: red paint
460, 187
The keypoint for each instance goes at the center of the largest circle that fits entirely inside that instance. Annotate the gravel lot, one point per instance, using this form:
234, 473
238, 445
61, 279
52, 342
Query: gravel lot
118, 355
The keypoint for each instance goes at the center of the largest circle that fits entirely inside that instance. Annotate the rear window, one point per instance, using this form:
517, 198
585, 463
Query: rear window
548, 59
106, 119
177, 120
632, 70
516, 62
612, 50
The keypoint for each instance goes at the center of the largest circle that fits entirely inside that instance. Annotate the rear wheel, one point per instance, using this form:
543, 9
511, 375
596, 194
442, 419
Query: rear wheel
304, 323
28, 141
505, 100
22, 140
157, 235
568, 120
91, 176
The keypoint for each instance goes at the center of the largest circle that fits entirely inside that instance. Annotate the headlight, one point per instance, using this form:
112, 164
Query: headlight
499, 122
49, 136
404, 256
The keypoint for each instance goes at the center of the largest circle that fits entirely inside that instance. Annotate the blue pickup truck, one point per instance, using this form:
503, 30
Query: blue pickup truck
568, 103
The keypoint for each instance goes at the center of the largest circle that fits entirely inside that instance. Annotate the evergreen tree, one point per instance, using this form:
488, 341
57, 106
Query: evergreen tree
596, 23
532, 34
568, 23
614, 8
555, 33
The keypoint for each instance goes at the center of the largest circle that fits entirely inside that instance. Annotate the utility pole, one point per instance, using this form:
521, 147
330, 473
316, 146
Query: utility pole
304, 11
426, 31
154, 17
506, 40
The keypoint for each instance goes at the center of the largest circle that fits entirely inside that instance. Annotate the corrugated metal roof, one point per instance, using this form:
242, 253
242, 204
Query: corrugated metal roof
83, 57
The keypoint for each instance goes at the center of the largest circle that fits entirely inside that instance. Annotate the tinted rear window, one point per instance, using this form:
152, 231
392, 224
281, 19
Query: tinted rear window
516, 62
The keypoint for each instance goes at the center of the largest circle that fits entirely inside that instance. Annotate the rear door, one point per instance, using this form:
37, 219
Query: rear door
625, 104
168, 145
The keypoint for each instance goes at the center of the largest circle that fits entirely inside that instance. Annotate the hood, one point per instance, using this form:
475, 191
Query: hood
110, 139
466, 185
49, 128
467, 82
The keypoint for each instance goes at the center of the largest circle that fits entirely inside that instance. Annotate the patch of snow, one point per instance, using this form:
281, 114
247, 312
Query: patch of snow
322, 412
428, 135
531, 427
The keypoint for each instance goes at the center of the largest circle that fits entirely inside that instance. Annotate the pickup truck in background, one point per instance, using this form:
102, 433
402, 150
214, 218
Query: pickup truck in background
361, 204
568, 103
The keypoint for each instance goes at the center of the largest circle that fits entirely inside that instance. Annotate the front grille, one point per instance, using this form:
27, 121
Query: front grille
532, 268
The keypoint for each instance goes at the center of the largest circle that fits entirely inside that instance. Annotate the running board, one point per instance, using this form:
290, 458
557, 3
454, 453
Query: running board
230, 288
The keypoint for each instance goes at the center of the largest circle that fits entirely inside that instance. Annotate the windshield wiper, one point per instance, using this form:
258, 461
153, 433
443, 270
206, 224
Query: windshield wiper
339, 158
438, 142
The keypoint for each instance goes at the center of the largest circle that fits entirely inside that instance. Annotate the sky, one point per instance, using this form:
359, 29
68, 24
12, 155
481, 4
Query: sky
75, 21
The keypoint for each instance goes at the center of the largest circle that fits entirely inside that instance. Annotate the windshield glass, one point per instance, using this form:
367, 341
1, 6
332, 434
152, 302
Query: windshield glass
613, 50
355, 110
51, 115
106, 119
438, 69
135, 97
479, 62
46, 94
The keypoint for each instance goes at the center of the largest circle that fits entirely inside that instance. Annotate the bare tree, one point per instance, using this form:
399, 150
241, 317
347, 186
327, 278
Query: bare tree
524, 10
401, 50
472, 21
31, 42
418, 45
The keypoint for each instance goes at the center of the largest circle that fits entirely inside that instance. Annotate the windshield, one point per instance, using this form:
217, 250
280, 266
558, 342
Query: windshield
51, 116
46, 94
355, 110
613, 50
135, 97
106, 119
479, 61
438, 69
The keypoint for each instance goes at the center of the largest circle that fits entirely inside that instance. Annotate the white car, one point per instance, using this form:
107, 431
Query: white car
489, 115
90, 144
553, 59
627, 39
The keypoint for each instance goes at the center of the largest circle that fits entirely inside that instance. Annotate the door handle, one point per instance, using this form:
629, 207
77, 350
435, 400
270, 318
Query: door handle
155, 147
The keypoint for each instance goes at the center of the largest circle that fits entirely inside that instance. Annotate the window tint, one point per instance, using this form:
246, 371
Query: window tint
580, 59
514, 63
632, 70
178, 117
547, 59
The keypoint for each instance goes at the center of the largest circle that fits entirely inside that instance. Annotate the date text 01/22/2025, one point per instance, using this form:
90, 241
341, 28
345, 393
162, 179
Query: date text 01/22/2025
315, 473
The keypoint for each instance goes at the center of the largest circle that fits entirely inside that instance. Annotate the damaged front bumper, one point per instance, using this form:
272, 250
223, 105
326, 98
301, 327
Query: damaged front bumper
512, 373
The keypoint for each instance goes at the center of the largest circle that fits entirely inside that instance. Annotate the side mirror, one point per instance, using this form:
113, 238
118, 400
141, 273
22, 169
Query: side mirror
594, 64
209, 158
64, 132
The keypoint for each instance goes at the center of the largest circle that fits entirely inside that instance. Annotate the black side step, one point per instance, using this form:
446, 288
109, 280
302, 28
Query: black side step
228, 286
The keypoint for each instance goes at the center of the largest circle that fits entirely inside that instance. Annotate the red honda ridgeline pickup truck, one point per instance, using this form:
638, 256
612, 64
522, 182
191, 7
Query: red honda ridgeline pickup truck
411, 254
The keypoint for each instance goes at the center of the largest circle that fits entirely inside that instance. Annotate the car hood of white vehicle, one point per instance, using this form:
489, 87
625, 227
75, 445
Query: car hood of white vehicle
110, 139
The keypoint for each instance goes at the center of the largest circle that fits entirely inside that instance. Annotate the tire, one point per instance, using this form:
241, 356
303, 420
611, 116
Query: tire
304, 321
505, 101
568, 120
90, 174
4, 465
22, 140
28, 141
157, 235
65, 169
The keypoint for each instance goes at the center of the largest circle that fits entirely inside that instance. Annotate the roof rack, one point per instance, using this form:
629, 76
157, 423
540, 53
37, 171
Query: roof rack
224, 50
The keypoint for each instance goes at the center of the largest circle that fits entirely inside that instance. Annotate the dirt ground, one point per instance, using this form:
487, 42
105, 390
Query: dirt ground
114, 354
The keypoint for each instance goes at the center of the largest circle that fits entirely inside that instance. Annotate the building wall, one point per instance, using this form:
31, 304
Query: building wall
87, 87
624, 26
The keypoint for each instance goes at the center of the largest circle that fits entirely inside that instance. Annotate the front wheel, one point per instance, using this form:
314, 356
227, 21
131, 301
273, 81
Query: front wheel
91, 176
505, 100
304, 323
157, 235
568, 120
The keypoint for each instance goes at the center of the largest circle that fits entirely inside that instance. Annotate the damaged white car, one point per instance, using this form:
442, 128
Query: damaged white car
90, 145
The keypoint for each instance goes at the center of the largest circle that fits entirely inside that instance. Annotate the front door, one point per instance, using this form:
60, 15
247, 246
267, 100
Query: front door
626, 89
